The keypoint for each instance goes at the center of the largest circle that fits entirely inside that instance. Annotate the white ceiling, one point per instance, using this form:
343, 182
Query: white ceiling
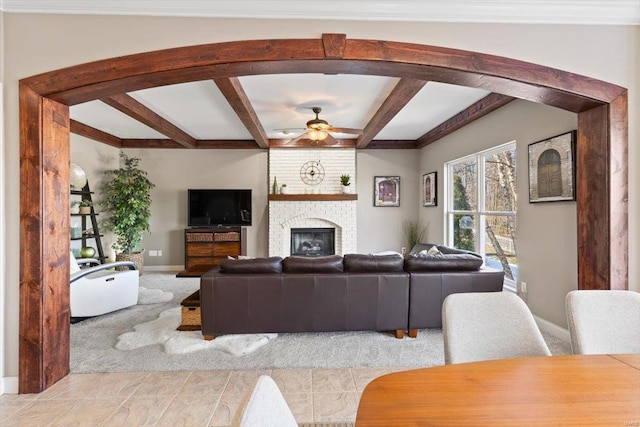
616, 12
285, 101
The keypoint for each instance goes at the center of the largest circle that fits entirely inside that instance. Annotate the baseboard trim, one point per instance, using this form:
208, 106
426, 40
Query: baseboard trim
156, 268
9, 385
553, 329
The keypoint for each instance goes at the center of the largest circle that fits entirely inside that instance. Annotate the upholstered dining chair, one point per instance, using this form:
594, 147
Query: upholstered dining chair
489, 325
264, 406
98, 289
602, 322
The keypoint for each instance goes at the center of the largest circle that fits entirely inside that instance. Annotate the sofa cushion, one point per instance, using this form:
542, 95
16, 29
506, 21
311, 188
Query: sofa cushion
430, 248
321, 264
252, 266
449, 259
359, 263
443, 262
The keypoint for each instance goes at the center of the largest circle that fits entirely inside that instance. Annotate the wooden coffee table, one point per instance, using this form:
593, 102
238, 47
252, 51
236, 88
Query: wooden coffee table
191, 320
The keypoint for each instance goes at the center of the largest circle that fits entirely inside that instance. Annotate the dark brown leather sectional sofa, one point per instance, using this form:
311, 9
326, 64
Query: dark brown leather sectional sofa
334, 293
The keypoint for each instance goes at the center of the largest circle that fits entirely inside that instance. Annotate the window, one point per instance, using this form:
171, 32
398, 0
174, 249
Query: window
481, 207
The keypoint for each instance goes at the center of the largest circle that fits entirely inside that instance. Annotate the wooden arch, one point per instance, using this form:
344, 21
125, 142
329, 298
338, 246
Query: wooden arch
44, 152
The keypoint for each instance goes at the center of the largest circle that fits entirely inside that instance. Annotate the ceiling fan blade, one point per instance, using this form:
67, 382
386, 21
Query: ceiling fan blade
297, 138
351, 131
290, 130
330, 140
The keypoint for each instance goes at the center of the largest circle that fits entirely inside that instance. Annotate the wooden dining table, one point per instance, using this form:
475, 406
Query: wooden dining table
577, 390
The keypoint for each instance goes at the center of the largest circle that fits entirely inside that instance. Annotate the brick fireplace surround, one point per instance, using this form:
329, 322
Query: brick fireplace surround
285, 165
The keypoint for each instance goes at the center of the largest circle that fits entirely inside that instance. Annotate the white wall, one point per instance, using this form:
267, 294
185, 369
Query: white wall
3, 248
547, 234
94, 158
175, 171
380, 228
39, 43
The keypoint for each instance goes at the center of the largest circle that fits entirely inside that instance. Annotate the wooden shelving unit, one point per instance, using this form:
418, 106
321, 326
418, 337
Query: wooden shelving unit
312, 197
85, 194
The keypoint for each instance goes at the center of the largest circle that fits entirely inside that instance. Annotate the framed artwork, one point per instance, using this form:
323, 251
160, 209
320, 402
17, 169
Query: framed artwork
552, 172
386, 191
429, 189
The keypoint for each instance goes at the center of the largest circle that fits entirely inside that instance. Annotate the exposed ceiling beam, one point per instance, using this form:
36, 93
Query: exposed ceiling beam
481, 108
140, 112
200, 143
395, 144
307, 143
227, 143
95, 134
404, 91
237, 98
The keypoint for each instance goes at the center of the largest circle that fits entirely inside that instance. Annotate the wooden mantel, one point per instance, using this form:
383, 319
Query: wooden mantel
311, 197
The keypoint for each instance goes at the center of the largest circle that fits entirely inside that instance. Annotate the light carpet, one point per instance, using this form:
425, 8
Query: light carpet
93, 343
153, 296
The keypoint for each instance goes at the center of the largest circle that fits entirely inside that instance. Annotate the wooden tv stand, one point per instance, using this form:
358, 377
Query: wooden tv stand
206, 247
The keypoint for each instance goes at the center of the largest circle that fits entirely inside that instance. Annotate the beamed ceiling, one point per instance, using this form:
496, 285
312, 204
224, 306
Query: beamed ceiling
271, 110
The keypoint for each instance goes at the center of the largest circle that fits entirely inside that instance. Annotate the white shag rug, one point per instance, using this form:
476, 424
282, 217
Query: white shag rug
163, 331
153, 296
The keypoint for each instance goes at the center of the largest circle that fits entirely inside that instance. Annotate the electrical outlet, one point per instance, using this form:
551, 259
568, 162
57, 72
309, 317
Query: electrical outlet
523, 287
159, 252
404, 250
153, 253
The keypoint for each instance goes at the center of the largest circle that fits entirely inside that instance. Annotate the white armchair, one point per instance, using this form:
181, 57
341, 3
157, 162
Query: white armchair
99, 289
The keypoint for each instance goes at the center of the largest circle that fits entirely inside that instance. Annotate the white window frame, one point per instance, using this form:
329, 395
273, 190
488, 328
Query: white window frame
479, 213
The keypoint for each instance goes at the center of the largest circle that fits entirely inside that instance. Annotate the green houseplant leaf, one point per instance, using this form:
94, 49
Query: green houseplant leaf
414, 232
127, 199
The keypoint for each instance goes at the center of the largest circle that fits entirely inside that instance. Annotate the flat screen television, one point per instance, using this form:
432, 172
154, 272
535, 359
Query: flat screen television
214, 208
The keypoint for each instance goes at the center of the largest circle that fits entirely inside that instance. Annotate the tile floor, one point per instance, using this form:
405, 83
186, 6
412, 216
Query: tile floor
184, 398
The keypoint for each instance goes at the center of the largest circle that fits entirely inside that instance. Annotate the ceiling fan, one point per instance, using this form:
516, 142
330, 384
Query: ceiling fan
317, 130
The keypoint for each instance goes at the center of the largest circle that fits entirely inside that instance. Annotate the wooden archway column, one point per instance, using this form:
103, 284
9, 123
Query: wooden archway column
44, 152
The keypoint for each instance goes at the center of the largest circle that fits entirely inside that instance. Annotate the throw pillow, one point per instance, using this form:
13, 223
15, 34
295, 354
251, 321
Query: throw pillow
434, 251
385, 253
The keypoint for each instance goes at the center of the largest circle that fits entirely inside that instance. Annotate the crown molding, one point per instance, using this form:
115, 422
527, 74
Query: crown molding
589, 12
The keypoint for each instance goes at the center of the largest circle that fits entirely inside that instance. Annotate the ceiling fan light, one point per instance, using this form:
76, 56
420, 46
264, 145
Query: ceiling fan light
317, 135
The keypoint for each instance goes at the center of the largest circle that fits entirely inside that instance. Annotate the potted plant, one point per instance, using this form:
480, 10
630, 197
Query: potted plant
414, 232
345, 180
127, 199
85, 207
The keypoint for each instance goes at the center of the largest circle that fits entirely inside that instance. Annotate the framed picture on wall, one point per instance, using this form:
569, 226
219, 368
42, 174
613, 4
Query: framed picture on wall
552, 172
429, 189
386, 191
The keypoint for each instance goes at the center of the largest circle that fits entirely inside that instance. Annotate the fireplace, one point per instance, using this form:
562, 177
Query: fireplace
313, 241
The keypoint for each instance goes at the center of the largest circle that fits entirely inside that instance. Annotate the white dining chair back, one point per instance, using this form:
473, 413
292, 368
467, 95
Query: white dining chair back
264, 406
489, 325
602, 322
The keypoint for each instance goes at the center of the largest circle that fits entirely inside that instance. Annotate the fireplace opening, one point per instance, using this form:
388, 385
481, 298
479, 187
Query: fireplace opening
313, 241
